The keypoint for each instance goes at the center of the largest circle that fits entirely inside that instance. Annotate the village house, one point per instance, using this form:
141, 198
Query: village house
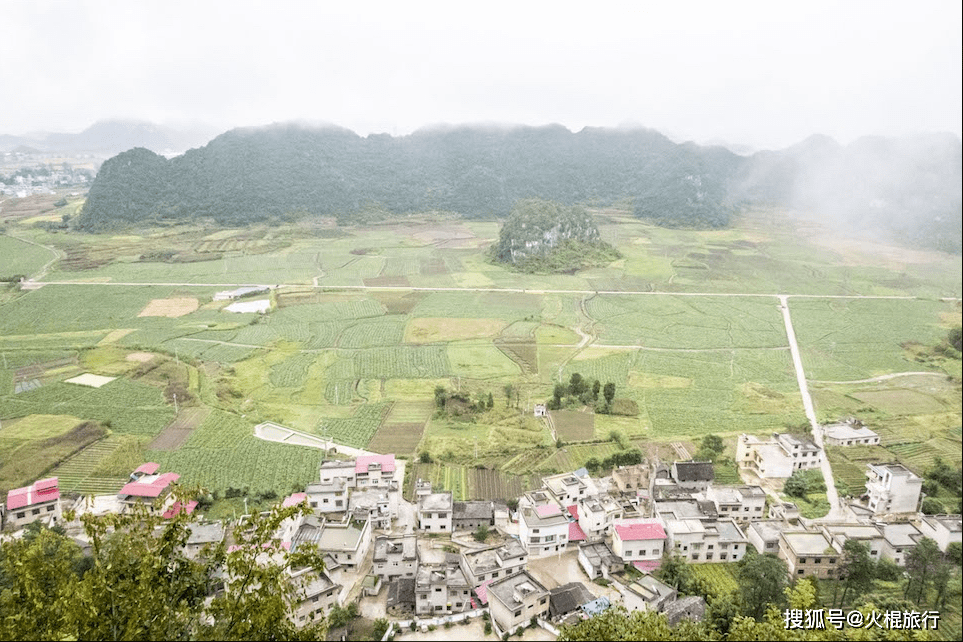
568, 600
700, 540
597, 515
850, 432
329, 496
778, 457
543, 529
494, 562
395, 556
470, 515
372, 504
640, 540
943, 529
764, 535
631, 479
513, 602
38, 501
202, 536
347, 542
435, 512
147, 488
318, 595
898, 540
569, 488
441, 589
647, 594
808, 554
598, 560
892, 488
868, 534
540, 410
368, 471
693, 475
742, 503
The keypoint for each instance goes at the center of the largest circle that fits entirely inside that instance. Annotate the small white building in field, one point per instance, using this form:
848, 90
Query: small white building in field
850, 432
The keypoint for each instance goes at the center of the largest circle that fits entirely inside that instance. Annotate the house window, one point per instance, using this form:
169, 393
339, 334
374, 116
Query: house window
711, 546
36, 511
708, 556
21, 514
695, 556
339, 503
457, 605
543, 600
722, 556
438, 590
800, 571
518, 613
818, 560
49, 508
802, 560
735, 547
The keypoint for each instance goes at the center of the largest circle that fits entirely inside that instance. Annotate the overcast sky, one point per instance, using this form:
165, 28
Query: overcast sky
766, 74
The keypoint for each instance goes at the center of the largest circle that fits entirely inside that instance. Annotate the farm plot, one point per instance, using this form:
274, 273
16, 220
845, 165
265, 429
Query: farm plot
572, 425
721, 578
78, 474
223, 452
20, 257
180, 429
402, 428
845, 340
402, 362
355, 431
433, 330
687, 322
476, 360
172, 308
466, 483
523, 353
371, 333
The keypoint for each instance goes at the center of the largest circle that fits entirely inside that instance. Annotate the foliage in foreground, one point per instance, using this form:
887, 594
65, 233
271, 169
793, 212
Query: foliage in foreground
138, 584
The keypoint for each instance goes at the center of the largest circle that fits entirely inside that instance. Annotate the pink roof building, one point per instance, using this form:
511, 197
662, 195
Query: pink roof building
575, 533
548, 510
37, 501
146, 469
641, 540
149, 486
40, 492
386, 463
178, 507
294, 500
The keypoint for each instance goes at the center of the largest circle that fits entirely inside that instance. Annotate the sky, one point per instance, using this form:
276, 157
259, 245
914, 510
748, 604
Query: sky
761, 74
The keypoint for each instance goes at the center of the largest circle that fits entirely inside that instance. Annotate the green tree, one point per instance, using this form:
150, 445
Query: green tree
596, 388
481, 533
932, 506
608, 392
797, 485
761, 581
509, 390
441, 396
675, 572
856, 569
922, 563
491, 401
713, 443
617, 624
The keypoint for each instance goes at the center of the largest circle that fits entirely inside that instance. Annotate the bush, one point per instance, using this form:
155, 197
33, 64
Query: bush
488, 628
932, 506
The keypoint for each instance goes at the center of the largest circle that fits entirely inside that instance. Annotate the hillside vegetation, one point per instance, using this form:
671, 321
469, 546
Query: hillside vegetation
542, 236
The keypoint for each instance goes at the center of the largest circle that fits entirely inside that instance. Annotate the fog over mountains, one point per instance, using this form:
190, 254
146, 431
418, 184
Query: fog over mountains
907, 189
112, 137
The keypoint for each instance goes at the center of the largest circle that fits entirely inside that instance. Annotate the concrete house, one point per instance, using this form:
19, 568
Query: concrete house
395, 557
369, 471
743, 503
706, 540
201, 536
899, 540
631, 479
147, 488
778, 457
808, 554
347, 542
372, 504
943, 529
639, 540
850, 432
648, 594
435, 513
598, 560
515, 600
567, 600
597, 515
318, 595
764, 535
892, 488
329, 496
38, 501
868, 534
494, 562
441, 589
543, 530
568, 488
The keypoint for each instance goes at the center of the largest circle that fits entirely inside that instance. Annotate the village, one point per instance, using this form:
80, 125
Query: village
558, 554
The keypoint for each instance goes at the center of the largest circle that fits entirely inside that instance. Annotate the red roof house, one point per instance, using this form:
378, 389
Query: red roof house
40, 499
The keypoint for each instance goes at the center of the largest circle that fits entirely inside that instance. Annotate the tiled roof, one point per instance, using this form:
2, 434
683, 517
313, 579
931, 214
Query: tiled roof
177, 507
294, 500
573, 510
148, 469
647, 566
153, 487
41, 491
362, 464
637, 532
547, 510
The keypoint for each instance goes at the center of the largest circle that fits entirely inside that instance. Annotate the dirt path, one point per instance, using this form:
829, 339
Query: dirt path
837, 511
57, 255
887, 377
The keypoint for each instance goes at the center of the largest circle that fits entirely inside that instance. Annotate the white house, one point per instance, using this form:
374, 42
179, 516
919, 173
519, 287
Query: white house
597, 515
892, 488
898, 540
494, 562
850, 432
395, 557
778, 457
943, 529
40, 500
543, 529
640, 540
742, 503
515, 600
700, 540
435, 512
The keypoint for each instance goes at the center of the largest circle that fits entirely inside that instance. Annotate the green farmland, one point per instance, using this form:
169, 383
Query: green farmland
365, 324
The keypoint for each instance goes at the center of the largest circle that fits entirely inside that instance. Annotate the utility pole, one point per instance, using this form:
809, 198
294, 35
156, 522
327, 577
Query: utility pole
175, 404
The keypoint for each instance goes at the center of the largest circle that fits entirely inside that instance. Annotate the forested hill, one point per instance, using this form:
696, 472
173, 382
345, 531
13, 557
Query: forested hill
289, 171
907, 189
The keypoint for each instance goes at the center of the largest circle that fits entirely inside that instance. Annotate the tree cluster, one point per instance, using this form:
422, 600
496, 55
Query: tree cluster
582, 391
137, 583
803, 482
460, 404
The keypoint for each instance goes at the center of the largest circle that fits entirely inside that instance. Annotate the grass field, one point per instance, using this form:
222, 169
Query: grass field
362, 366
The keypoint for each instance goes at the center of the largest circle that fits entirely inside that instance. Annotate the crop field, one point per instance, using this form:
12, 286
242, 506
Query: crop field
79, 474
361, 366
467, 482
721, 578
573, 425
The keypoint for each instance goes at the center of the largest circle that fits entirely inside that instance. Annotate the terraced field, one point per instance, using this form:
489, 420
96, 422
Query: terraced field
78, 474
